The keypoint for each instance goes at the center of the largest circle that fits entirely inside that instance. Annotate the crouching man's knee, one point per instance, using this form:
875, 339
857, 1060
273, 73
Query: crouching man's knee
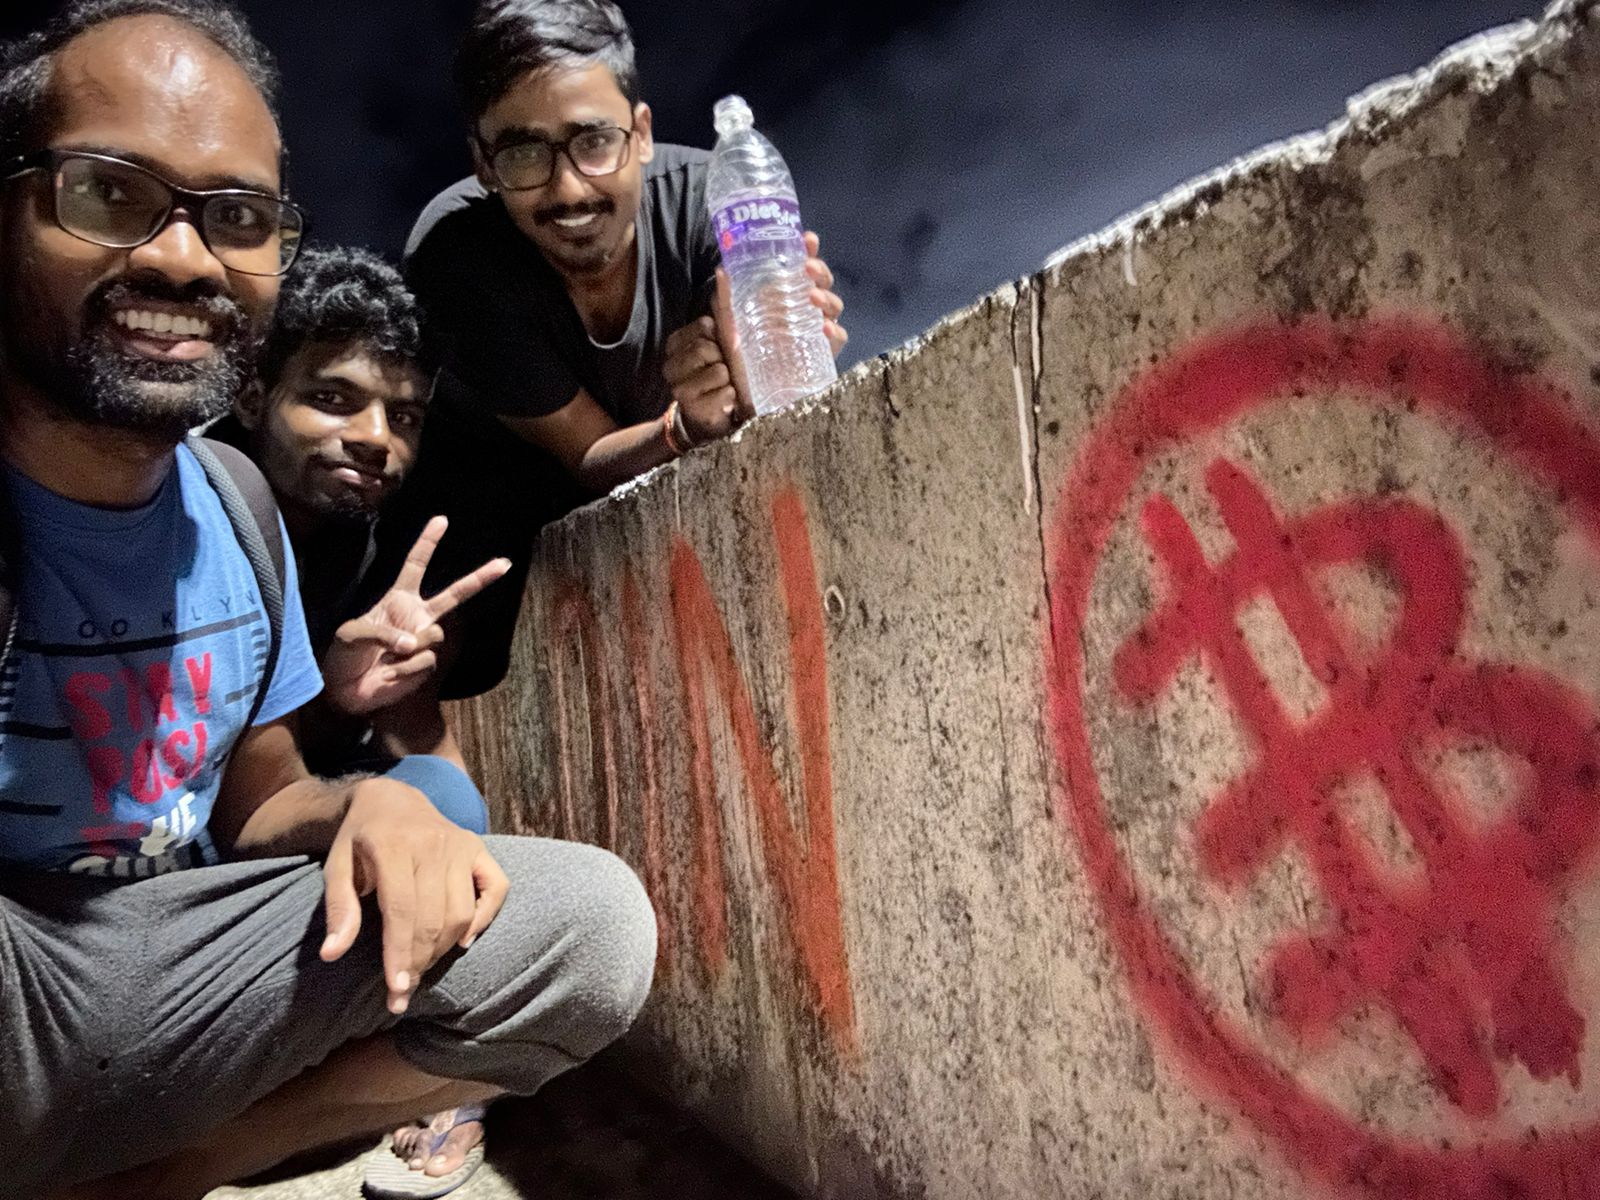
611, 956
560, 974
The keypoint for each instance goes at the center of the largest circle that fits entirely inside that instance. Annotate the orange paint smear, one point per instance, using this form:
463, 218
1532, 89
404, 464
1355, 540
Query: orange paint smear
804, 871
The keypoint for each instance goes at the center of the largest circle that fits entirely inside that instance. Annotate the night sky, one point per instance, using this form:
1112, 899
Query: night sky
940, 147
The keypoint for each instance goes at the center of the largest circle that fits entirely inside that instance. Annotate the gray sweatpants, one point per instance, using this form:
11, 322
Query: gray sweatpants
136, 1016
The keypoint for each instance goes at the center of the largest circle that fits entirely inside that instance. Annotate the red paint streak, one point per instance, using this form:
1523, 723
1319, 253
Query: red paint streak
1448, 973
637, 647
806, 876
574, 619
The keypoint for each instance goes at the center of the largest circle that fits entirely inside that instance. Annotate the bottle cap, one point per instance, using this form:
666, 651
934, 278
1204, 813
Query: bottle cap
732, 114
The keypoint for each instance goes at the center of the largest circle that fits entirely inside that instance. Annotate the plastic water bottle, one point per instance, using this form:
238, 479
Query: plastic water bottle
756, 218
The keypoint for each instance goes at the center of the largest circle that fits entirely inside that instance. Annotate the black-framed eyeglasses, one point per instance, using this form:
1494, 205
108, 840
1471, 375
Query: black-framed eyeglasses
531, 163
118, 204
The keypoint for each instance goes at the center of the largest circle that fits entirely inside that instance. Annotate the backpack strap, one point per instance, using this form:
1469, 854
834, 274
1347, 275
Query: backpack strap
10, 583
253, 512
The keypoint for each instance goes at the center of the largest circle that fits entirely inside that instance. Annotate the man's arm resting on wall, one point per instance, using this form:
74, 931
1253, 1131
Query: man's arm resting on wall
596, 452
600, 455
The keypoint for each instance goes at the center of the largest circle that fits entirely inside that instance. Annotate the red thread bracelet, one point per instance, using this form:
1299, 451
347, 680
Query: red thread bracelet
667, 419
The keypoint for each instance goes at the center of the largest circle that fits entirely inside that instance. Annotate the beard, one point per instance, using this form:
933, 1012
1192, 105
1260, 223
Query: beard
311, 485
578, 260
347, 508
96, 381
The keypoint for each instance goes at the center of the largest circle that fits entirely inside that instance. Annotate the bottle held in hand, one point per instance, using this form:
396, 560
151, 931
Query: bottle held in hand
756, 219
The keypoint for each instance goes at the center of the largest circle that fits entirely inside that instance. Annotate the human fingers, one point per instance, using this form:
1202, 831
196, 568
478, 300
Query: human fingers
417, 664
831, 304
820, 273
430, 636
465, 588
722, 313
837, 336
491, 886
710, 414
416, 564
710, 378
396, 880
689, 349
461, 894
340, 904
365, 629
428, 925
691, 359
686, 335
728, 335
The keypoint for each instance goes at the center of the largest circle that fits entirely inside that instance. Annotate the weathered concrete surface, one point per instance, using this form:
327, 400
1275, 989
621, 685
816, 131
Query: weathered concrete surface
1140, 740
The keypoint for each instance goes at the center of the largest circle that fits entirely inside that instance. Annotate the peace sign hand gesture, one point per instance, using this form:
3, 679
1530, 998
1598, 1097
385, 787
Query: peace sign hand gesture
384, 655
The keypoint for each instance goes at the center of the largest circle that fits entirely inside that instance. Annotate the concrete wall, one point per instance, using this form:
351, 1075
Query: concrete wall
1141, 739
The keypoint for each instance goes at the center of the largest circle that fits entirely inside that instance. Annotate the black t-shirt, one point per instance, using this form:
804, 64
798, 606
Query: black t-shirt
333, 569
514, 345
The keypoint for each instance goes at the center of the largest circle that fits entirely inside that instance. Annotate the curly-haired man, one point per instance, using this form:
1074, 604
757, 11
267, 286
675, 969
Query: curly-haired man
333, 421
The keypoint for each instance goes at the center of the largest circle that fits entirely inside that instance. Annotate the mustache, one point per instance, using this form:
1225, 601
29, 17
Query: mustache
556, 212
226, 317
376, 470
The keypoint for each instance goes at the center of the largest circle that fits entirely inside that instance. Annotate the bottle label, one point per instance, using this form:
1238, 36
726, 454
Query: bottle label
752, 226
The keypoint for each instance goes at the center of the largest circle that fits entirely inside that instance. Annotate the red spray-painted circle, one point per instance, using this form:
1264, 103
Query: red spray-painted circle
1202, 388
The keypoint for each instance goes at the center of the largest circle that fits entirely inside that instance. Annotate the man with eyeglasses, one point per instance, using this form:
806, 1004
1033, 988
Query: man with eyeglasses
209, 959
574, 277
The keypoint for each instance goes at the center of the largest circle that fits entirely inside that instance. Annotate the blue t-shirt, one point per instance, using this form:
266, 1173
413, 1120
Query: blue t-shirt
140, 647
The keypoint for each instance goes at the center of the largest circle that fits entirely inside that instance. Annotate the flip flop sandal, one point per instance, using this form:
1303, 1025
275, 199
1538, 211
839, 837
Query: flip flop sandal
387, 1176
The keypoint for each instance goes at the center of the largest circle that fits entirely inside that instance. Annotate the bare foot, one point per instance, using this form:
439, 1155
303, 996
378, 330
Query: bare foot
412, 1142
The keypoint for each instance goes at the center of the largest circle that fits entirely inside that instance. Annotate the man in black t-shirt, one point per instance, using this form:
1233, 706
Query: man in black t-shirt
575, 280
334, 421
527, 351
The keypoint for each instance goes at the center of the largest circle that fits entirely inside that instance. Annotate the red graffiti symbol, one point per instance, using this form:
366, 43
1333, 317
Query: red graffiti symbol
805, 874
1475, 935
1466, 955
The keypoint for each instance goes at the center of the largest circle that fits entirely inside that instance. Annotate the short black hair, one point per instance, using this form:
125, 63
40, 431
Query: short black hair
509, 38
26, 63
339, 294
